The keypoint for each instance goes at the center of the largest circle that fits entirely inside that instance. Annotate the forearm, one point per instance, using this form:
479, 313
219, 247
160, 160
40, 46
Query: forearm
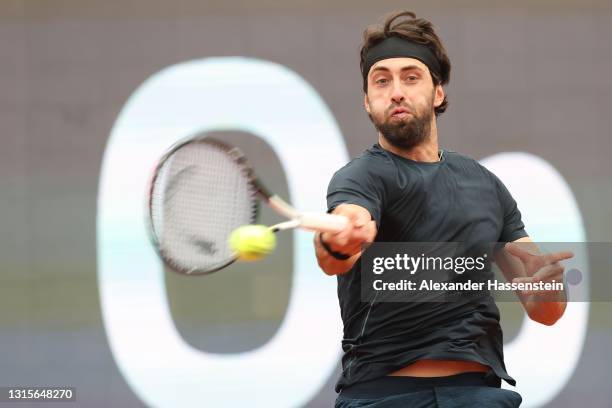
544, 308
329, 264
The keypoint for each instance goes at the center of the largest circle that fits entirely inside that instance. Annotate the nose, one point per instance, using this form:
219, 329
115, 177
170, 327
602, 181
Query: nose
397, 95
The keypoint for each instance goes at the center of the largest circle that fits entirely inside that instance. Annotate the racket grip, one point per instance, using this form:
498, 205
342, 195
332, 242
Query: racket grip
323, 222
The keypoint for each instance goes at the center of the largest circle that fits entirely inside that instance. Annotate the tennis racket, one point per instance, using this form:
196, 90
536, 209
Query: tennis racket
201, 190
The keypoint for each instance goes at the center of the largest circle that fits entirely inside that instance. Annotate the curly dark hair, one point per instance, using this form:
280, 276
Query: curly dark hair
414, 29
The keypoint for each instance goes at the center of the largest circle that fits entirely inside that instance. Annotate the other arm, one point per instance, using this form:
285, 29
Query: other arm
522, 261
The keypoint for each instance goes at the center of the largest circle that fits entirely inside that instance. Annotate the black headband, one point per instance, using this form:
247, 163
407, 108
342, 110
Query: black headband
393, 47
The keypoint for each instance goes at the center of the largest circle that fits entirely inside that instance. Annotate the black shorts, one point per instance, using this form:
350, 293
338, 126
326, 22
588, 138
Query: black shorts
460, 390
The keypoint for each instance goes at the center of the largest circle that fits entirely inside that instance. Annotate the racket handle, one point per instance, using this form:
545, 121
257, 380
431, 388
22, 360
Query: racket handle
323, 222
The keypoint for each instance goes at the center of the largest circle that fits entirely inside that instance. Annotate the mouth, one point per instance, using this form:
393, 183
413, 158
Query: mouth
400, 113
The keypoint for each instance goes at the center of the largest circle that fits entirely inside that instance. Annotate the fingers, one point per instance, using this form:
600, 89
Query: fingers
359, 219
339, 240
357, 215
524, 279
350, 240
537, 260
364, 234
358, 236
550, 273
360, 230
557, 256
545, 274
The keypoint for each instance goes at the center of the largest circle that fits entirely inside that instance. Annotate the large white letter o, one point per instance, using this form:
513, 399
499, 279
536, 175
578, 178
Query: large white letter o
248, 95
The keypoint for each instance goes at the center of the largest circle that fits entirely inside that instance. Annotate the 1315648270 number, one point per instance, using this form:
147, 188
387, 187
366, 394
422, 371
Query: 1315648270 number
15, 394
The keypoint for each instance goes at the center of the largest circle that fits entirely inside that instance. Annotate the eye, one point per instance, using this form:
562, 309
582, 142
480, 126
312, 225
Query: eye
381, 81
412, 78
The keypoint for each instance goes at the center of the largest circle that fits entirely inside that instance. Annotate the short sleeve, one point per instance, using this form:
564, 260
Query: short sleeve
354, 185
513, 227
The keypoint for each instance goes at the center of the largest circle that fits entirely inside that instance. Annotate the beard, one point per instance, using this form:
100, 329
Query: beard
406, 133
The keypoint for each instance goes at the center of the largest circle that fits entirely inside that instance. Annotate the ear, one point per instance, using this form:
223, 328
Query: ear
366, 103
439, 96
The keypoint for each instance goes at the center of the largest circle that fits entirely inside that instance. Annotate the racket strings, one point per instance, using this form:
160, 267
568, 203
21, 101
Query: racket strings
201, 194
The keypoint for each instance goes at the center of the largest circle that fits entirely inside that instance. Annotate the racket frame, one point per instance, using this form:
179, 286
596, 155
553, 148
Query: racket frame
232, 152
296, 218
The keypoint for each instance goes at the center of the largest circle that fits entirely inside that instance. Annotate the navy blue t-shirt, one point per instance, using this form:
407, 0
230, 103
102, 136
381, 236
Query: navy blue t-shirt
453, 200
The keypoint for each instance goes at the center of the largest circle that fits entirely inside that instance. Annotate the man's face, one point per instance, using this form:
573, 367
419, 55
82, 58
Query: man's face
401, 99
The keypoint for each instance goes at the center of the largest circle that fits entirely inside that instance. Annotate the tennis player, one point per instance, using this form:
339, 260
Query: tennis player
405, 188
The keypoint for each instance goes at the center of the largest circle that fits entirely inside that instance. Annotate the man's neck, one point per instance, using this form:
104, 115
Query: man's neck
427, 151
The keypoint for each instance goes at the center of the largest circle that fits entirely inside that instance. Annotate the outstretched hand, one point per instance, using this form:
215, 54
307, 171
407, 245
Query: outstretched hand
361, 229
539, 267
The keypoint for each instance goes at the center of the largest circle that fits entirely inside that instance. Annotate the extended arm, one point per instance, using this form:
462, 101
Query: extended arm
361, 230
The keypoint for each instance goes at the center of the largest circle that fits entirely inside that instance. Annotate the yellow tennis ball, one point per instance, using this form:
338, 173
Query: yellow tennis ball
252, 242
